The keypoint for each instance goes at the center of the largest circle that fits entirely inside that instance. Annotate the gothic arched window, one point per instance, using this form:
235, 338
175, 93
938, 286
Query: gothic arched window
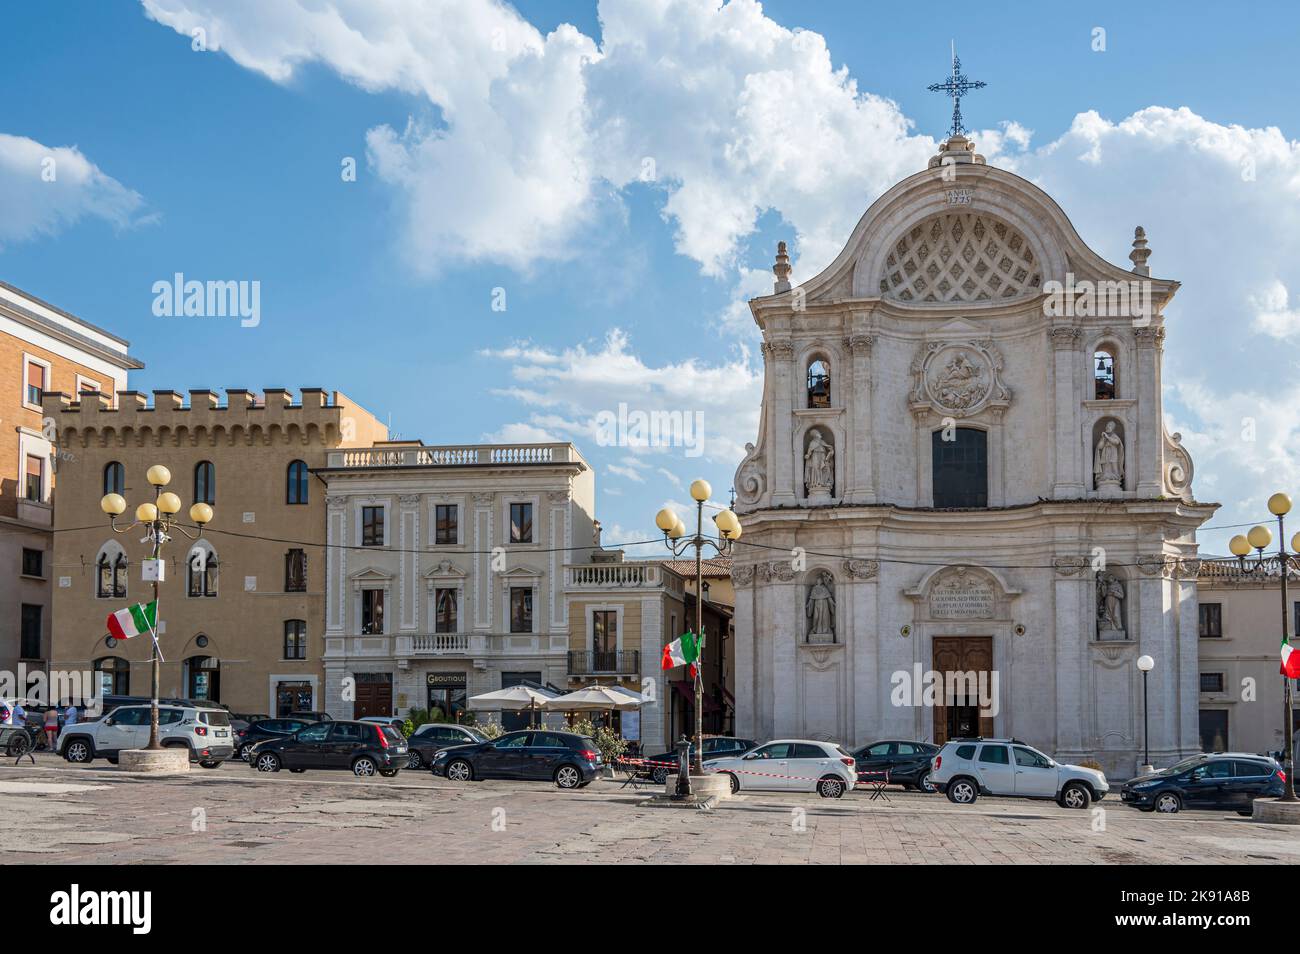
296, 489
205, 482
819, 383
960, 467
114, 478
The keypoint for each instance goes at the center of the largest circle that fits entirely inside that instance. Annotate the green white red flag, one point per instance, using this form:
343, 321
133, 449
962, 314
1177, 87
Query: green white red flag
1290, 660
682, 651
133, 621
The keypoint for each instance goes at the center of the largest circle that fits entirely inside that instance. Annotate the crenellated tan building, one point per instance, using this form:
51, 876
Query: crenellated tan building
247, 629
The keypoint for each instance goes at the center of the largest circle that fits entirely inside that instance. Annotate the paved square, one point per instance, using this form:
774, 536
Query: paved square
98, 814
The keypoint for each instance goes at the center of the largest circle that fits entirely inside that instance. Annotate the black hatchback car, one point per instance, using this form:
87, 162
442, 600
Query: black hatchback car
1230, 781
908, 763
565, 758
364, 748
432, 737
255, 732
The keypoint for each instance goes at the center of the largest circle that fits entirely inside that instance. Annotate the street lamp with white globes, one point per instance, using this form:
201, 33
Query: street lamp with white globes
1146, 664
1259, 537
675, 539
158, 517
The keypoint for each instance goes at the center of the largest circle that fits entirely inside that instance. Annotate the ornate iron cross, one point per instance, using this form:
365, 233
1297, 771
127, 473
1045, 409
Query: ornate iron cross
956, 86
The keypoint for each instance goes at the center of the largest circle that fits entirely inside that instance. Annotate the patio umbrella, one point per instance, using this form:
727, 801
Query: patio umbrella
595, 697
513, 697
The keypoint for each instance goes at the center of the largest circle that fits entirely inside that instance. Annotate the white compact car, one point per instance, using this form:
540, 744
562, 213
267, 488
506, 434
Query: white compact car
964, 769
205, 732
790, 765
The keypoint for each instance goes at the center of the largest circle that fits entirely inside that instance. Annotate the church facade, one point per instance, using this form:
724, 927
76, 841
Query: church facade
963, 512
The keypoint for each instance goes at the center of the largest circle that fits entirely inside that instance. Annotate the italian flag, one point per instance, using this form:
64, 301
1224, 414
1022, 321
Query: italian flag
1290, 660
133, 621
682, 651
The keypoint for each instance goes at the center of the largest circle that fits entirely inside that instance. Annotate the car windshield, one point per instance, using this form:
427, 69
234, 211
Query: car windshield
215, 717
1183, 766
478, 736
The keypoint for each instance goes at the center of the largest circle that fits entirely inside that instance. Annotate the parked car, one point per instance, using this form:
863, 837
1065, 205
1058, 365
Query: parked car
395, 721
1226, 780
964, 769
364, 748
790, 765
908, 763
715, 747
565, 758
307, 715
250, 717
246, 738
432, 737
203, 730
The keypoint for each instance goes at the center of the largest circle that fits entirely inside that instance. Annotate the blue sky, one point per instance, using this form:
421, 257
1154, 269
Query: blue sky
462, 117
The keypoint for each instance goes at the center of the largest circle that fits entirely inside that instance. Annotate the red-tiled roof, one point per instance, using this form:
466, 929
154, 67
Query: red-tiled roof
717, 566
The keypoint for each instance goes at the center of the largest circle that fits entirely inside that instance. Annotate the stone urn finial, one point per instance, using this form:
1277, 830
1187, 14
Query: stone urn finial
781, 269
1140, 252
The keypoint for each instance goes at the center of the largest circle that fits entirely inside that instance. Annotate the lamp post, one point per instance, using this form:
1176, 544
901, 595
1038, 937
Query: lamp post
158, 519
1146, 664
1279, 505
675, 539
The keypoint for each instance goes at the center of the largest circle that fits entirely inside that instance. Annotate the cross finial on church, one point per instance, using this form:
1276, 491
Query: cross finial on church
956, 86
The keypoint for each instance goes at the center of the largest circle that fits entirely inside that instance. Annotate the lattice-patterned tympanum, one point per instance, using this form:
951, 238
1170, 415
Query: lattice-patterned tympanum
960, 257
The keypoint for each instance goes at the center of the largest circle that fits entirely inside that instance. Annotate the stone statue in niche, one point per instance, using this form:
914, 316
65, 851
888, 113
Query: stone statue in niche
1110, 607
818, 466
1108, 460
819, 608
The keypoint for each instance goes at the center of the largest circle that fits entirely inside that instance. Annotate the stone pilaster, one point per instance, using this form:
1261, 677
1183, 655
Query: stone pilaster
1067, 481
780, 358
861, 484
1148, 451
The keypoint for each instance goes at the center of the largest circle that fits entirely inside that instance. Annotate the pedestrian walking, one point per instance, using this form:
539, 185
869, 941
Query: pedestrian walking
51, 727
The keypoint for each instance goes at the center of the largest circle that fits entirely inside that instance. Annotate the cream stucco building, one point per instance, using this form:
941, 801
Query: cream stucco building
962, 466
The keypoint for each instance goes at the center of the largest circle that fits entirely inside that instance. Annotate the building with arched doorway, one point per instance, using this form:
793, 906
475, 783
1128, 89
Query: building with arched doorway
963, 512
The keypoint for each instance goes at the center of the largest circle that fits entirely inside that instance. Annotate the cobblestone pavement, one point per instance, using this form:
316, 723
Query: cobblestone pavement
97, 814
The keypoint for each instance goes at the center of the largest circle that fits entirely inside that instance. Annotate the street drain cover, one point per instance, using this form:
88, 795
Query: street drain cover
247, 844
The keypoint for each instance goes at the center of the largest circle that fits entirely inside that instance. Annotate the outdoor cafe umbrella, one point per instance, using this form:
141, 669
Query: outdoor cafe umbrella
595, 697
513, 697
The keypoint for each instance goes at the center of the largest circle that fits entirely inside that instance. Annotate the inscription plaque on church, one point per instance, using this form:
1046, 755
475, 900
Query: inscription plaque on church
962, 598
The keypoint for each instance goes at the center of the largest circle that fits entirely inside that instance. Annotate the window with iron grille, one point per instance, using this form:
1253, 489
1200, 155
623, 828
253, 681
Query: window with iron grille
295, 571
1211, 682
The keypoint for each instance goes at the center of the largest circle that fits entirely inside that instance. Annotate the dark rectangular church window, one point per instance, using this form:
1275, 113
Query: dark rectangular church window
960, 467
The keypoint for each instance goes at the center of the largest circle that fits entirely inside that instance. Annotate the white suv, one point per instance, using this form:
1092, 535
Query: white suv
964, 769
205, 732
790, 765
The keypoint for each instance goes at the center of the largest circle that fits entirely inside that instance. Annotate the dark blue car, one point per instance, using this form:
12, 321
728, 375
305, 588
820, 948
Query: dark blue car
1225, 781
565, 758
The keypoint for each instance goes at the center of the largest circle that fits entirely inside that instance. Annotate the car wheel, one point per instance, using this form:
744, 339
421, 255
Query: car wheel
78, 751
460, 771
1168, 803
735, 783
1246, 813
1075, 795
242, 754
211, 763
962, 791
831, 787
18, 745
268, 762
660, 775
567, 776
363, 767
413, 760
923, 784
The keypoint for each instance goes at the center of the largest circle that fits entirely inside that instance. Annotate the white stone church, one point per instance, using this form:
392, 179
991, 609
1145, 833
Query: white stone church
962, 467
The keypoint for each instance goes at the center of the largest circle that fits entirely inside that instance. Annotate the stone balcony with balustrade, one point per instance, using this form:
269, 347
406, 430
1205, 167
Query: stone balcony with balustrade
400, 454
477, 645
639, 575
